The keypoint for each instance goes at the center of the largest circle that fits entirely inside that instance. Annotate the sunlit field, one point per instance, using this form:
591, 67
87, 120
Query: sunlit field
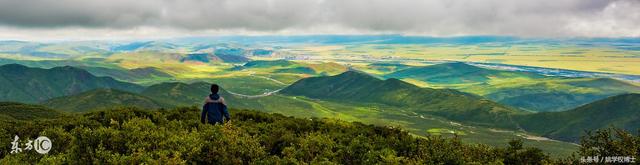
593, 58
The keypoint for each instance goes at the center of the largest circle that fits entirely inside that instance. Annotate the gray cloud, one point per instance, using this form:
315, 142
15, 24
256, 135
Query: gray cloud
546, 18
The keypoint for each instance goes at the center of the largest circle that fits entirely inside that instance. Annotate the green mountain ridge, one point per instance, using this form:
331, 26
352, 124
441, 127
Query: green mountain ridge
286, 66
24, 84
102, 99
20, 111
456, 72
353, 86
178, 93
526, 91
210, 57
268, 64
621, 111
129, 75
560, 94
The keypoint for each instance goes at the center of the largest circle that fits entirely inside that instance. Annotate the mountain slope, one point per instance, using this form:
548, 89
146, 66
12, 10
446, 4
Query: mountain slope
24, 84
352, 86
129, 75
295, 67
102, 98
208, 57
454, 73
268, 64
556, 94
622, 111
145, 46
19, 111
177, 93
523, 90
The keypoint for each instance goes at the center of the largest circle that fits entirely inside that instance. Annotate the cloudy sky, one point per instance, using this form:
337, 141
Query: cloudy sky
123, 19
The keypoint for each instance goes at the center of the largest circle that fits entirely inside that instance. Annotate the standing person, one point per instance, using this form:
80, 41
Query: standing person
215, 108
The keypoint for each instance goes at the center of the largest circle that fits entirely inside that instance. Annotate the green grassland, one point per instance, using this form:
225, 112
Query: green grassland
573, 57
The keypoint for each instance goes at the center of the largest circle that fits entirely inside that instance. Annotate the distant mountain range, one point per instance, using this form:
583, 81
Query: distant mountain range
286, 66
25, 84
621, 111
559, 94
524, 90
129, 75
95, 67
145, 46
208, 57
456, 73
268, 64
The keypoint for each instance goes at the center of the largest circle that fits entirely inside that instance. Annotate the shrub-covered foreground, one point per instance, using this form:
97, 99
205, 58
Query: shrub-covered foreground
133, 136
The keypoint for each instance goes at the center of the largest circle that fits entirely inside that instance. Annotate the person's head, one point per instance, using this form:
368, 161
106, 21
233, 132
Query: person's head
214, 88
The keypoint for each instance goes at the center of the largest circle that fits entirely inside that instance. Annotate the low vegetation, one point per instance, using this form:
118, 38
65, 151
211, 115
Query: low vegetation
130, 135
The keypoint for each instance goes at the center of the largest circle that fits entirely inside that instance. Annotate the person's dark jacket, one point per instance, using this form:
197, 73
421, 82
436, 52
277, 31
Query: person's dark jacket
214, 111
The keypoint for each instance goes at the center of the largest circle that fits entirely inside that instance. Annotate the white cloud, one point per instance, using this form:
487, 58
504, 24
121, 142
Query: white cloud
165, 18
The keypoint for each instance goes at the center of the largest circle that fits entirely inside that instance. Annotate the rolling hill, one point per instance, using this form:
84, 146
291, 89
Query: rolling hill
268, 64
144, 46
208, 57
556, 94
129, 75
297, 70
286, 66
353, 86
20, 111
101, 99
455, 73
387, 67
24, 84
523, 90
621, 111
177, 93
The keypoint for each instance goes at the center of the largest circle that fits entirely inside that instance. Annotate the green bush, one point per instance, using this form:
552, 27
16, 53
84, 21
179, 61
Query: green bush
135, 136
